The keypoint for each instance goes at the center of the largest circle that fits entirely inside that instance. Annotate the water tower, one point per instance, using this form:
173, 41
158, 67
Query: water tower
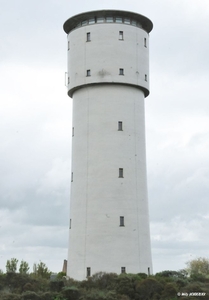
108, 79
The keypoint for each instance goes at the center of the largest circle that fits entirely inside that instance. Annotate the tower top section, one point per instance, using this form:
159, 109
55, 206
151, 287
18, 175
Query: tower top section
108, 16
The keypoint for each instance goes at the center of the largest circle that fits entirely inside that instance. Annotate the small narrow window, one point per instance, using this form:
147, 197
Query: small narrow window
120, 173
88, 73
120, 35
88, 37
148, 271
145, 77
120, 125
123, 269
73, 131
72, 177
70, 223
68, 45
121, 71
88, 272
68, 80
122, 221
145, 42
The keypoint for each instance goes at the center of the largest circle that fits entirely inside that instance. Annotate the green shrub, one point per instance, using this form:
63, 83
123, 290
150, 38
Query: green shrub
96, 294
9, 296
30, 296
50, 296
56, 286
142, 275
60, 275
147, 288
29, 287
169, 292
126, 283
71, 292
102, 281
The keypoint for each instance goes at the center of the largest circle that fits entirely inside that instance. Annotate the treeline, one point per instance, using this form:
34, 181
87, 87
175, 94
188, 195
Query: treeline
166, 285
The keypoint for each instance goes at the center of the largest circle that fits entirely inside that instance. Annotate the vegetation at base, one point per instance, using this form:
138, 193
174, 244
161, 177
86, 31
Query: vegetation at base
164, 285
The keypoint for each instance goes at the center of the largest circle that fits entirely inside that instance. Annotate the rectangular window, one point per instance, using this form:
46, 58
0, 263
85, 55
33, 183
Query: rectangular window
88, 272
120, 35
145, 77
145, 42
133, 23
68, 45
127, 21
73, 131
123, 269
121, 71
122, 221
88, 37
91, 21
109, 19
70, 223
120, 125
100, 20
84, 23
120, 173
72, 177
68, 80
148, 271
78, 25
88, 73
118, 20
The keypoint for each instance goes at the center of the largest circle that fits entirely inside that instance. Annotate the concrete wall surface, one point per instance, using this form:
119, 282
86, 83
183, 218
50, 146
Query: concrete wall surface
102, 151
106, 53
98, 196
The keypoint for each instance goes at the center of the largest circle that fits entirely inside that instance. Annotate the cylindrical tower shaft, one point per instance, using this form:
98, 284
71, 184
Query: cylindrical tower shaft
108, 69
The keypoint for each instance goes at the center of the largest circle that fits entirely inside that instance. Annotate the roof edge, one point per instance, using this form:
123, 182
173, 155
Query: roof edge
71, 23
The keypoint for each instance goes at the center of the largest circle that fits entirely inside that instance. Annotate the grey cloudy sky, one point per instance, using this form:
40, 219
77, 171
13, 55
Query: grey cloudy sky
35, 129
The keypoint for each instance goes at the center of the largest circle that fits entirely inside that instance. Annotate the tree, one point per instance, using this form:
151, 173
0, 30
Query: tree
11, 265
24, 267
198, 266
41, 270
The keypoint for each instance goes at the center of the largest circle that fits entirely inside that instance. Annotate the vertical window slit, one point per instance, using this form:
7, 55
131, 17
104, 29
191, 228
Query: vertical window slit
120, 35
120, 172
88, 272
121, 71
120, 125
88, 37
122, 221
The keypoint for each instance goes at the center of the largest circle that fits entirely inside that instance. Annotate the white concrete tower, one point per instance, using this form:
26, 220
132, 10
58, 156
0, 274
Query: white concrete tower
108, 79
